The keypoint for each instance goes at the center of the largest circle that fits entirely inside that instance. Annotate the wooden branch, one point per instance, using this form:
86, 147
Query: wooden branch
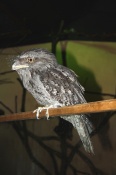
92, 107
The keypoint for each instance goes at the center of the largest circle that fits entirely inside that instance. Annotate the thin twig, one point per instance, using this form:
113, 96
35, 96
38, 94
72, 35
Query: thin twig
6, 107
92, 107
6, 72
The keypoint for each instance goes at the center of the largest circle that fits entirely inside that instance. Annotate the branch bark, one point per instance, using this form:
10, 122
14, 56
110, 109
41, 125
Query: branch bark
92, 107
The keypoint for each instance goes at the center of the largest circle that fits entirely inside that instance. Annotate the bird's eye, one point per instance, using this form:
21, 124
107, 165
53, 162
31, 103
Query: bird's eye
30, 60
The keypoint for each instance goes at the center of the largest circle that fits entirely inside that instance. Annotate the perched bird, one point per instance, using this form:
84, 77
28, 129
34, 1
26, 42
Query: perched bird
52, 84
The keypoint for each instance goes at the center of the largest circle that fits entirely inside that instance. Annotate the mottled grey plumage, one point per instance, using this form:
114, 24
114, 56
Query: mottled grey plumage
53, 84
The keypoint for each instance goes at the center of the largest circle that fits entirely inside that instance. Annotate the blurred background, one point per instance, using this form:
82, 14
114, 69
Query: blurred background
82, 35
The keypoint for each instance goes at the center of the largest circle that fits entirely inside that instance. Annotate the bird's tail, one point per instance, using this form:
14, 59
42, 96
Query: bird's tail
84, 128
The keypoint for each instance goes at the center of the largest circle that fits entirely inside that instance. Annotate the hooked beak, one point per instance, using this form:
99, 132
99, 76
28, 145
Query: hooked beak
17, 66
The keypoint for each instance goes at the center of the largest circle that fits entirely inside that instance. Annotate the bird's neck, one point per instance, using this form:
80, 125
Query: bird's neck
24, 75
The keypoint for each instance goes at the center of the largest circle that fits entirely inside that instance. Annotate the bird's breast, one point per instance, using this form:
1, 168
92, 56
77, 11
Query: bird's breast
38, 89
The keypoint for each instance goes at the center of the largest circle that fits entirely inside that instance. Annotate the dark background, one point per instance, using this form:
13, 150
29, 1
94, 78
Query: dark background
49, 147
33, 21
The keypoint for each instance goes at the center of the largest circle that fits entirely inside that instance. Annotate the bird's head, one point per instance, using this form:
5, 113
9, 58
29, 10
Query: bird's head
34, 58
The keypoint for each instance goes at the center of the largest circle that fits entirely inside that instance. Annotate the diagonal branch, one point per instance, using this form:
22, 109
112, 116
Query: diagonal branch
92, 107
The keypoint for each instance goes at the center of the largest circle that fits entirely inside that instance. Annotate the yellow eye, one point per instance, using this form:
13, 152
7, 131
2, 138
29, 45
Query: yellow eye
30, 60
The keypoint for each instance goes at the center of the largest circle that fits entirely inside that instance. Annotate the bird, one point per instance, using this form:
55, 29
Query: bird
54, 85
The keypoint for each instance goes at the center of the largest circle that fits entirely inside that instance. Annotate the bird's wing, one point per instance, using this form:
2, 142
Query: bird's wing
71, 75
78, 88
62, 85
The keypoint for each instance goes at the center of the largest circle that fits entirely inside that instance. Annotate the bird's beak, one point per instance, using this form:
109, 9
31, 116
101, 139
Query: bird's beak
17, 66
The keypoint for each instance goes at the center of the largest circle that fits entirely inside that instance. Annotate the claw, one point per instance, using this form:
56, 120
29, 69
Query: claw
39, 109
47, 113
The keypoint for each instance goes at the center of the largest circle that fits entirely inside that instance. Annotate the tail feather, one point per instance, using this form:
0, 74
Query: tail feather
84, 128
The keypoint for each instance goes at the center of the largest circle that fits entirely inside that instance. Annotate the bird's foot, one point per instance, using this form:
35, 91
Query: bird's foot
39, 109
